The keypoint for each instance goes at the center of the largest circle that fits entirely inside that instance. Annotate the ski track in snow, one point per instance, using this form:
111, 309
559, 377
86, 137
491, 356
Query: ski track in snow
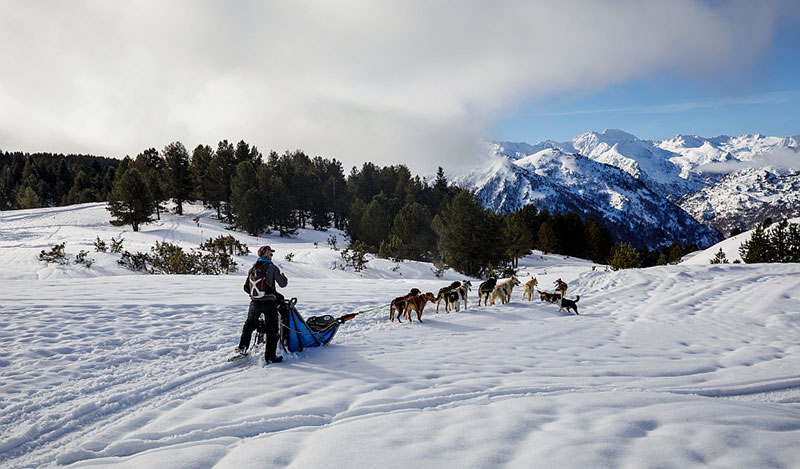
701, 362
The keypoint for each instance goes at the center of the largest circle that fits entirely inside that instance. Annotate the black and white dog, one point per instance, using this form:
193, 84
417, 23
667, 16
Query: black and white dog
564, 303
454, 297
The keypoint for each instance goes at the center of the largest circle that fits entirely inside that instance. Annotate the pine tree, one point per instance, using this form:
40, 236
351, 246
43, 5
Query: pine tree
439, 189
469, 237
517, 237
624, 256
27, 198
411, 235
757, 248
719, 257
355, 212
179, 178
548, 240
376, 222
244, 152
6, 188
130, 202
220, 170
248, 201
332, 200
81, 190
676, 253
151, 165
64, 178
598, 240
199, 167
570, 231
279, 199
793, 243
779, 243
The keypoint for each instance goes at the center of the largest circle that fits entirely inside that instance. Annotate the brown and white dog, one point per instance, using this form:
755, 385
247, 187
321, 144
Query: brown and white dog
417, 303
527, 289
399, 304
564, 303
503, 290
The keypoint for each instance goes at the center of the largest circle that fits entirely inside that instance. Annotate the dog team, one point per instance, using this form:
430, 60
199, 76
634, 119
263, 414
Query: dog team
488, 292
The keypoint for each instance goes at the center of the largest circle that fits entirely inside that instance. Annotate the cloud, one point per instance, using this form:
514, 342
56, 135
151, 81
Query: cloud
415, 82
780, 159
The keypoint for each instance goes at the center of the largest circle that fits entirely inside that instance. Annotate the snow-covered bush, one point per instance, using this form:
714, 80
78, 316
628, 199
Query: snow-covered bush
227, 244
55, 255
81, 258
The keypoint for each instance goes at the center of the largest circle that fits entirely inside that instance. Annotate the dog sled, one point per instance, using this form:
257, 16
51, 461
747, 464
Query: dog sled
298, 334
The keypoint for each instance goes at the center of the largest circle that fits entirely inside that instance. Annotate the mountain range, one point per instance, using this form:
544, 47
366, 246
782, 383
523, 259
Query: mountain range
686, 189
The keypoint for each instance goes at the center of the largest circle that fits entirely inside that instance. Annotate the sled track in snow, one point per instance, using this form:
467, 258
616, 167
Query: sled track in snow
120, 379
61, 421
310, 418
320, 417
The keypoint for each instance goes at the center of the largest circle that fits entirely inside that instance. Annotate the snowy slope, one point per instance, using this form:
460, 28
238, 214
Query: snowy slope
678, 366
729, 246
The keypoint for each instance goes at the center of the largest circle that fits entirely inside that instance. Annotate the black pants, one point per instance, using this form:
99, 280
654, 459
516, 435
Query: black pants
269, 308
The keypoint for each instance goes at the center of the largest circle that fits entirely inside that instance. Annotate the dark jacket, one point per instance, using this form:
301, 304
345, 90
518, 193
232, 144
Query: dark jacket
274, 277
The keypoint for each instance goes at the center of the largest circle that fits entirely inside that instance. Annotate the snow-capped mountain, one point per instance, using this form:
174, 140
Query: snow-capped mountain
557, 181
642, 159
687, 170
744, 198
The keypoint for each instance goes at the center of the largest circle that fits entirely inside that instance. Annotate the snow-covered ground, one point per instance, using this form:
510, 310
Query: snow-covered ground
677, 366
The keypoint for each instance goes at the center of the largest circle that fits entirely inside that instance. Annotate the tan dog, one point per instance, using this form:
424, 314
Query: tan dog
417, 303
497, 292
503, 290
527, 289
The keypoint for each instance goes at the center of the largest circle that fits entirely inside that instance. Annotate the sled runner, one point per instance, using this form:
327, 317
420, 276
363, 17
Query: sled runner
298, 334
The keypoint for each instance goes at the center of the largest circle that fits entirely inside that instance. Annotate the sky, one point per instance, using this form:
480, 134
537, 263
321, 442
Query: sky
416, 82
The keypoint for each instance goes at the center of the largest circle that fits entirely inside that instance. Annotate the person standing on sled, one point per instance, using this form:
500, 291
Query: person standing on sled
264, 299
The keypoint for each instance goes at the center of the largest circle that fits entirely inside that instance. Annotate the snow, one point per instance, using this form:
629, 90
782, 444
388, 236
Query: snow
690, 365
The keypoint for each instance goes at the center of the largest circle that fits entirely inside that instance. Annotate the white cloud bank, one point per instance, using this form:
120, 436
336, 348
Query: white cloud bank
360, 80
779, 159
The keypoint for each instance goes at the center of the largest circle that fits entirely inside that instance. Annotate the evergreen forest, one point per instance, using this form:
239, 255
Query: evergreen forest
383, 210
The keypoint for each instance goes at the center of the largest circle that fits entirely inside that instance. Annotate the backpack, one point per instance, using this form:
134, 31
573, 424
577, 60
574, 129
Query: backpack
258, 286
